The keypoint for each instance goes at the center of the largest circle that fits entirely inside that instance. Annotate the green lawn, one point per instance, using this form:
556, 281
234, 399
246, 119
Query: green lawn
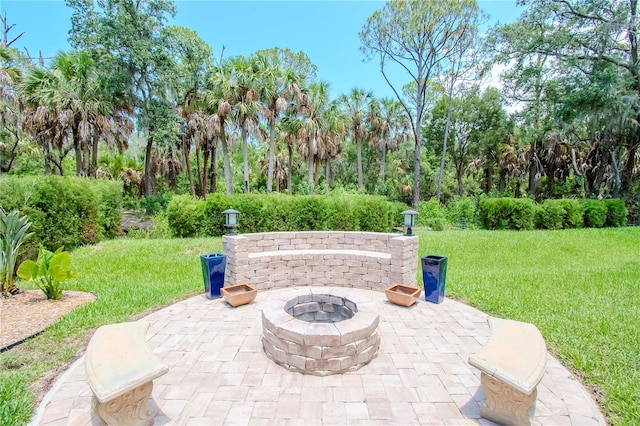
580, 287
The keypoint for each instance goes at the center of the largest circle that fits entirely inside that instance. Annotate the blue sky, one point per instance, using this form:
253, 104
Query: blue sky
327, 31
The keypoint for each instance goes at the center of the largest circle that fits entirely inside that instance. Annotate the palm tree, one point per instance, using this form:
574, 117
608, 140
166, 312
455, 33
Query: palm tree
247, 105
278, 86
356, 105
10, 108
389, 127
291, 132
334, 127
71, 99
219, 95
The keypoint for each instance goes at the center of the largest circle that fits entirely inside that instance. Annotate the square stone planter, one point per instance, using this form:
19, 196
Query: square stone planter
403, 295
239, 294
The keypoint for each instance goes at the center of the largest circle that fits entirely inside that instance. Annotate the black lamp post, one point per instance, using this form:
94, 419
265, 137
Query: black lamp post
230, 220
409, 220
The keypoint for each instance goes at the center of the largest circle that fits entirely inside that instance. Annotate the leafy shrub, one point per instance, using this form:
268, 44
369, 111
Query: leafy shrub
461, 211
109, 197
186, 216
153, 204
436, 223
574, 214
549, 215
506, 213
616, 212
429, 210
65, 211
595, 213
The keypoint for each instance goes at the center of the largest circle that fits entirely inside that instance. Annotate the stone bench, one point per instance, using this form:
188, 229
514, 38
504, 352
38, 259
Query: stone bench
512, 363
120, 369
321, 258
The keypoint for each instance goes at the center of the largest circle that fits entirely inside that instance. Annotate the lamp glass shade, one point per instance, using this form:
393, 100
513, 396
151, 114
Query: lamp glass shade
230, 217
409, 218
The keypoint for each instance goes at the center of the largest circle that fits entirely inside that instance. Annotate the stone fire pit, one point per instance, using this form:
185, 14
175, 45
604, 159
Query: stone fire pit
320, 330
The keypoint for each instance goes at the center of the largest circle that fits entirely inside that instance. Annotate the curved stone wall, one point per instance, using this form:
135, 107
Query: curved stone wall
321, 258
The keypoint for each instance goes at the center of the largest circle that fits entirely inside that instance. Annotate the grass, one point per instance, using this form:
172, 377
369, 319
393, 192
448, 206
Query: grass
129, 277
580, 287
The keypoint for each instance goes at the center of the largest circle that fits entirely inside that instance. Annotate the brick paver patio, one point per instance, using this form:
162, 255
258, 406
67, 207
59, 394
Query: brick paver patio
219, 373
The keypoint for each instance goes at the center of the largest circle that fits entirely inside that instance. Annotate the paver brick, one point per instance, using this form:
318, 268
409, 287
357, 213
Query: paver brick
224, 377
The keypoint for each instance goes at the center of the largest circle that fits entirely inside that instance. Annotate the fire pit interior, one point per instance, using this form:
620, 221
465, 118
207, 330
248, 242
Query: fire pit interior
320, 332
321, 308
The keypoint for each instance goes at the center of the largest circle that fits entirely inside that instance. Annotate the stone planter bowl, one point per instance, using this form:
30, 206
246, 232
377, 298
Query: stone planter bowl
239, 294
403, 295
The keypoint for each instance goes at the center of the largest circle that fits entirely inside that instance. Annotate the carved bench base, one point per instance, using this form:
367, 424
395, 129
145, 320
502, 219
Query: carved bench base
130, 408
506, 405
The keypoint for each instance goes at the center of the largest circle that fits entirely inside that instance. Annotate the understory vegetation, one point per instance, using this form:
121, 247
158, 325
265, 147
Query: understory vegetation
579, 286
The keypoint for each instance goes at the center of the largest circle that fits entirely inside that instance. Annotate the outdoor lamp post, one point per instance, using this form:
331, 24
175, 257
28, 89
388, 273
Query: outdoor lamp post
230, 220
409, 220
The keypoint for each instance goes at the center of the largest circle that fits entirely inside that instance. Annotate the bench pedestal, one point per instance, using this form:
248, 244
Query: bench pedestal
506, 405
128, 409
512, 363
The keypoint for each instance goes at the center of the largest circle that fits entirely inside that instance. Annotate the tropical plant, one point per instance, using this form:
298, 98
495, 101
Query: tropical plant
49, 271
356, 105
13, 232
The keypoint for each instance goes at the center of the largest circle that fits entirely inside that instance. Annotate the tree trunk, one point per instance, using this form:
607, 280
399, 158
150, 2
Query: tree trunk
77, 149
447, 127
93, 165
310, 160
615, 190
502, 180
488, 179
383, 163
227, 162
533, 171
626, 179
316, 173
416, 169
172, 169
459, 174
272, 149
148, 176
245, 160
327, 173
213, 171
290, 167
205, 165
198, 168
359, 150
47, 158
86, 155
185, 154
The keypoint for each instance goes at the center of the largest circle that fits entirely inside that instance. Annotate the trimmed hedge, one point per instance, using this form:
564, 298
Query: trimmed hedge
595, 213
616, 212
64, 211
506, 213
278, 212
559, 214
511, 213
